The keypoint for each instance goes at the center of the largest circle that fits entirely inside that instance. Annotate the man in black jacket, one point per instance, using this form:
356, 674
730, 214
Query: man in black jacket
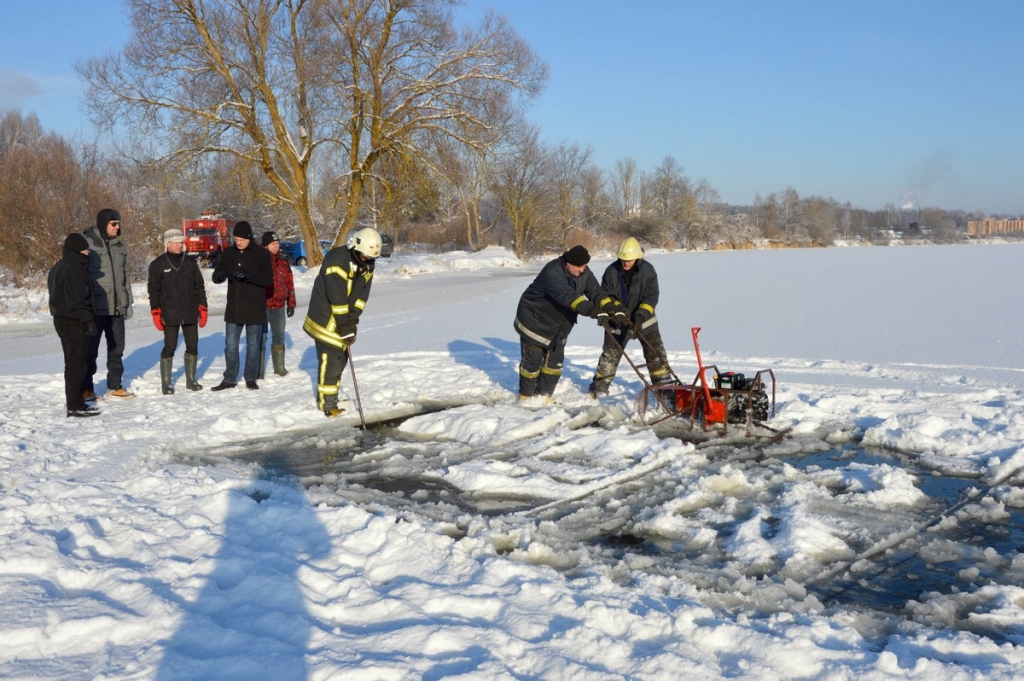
177, 299
70, 289
548, 310
247, 269
633, 282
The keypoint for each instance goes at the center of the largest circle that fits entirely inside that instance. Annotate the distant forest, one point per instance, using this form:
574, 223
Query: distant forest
53, 186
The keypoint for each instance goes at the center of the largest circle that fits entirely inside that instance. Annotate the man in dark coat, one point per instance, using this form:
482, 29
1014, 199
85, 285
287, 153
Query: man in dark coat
633, 282
548, 310
70, 289
246, 267
111, 301
177, 299
340, 292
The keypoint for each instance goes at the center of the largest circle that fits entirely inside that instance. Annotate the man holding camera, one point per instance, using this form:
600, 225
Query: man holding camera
247, 269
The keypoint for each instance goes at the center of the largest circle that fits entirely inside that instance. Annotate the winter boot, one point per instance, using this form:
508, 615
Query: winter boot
165, 375
277, 355
190, 372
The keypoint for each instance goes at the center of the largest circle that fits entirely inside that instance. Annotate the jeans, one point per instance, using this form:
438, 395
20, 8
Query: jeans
111, 326
275, 320
253, 343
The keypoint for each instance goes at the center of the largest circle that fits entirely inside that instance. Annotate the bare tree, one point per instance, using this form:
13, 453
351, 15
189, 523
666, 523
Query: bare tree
278, 82
520, 183
569, 164
626, 187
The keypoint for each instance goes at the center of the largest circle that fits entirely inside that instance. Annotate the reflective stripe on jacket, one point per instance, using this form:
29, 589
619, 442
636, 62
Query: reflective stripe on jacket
340, 292
549, 306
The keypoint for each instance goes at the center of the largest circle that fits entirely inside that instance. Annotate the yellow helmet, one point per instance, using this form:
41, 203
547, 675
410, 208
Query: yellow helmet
630, 249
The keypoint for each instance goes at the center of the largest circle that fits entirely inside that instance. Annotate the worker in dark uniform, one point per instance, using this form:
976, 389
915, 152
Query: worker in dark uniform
548, 309
632, 281
340, 292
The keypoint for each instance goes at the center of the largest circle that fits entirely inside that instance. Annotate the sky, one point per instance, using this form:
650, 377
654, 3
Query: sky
911, 102
239, 534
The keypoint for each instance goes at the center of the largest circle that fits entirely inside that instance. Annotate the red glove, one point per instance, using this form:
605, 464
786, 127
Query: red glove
158, 321
202, 316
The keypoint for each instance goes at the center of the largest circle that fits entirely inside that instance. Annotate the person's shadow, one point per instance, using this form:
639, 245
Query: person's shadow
499, 360
250, 620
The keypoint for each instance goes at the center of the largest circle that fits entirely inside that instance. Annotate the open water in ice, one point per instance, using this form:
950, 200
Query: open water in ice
926, 576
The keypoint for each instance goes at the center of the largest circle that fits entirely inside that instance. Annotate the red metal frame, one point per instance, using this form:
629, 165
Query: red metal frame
699, 400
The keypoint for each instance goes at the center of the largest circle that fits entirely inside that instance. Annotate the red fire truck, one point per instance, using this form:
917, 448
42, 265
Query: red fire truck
208, 236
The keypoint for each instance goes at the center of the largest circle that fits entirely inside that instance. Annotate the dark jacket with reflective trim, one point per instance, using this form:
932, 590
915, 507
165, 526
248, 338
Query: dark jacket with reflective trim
549, 307
641, 292
340, 292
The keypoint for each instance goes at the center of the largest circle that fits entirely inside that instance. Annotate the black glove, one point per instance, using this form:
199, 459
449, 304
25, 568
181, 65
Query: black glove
290, 312
90, 328
219, 276
241, 275
602, 319
587, 309
641, 316
620, 318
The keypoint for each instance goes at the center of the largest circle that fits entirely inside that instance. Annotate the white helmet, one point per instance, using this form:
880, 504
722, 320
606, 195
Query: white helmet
630, 250
366, 241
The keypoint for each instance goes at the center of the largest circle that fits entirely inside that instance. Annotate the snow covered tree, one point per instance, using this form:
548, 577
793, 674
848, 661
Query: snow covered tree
284, 84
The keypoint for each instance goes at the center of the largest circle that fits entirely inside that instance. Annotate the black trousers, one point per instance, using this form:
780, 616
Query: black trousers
75, 345
191, 333
540, 368
331, 362
111, 327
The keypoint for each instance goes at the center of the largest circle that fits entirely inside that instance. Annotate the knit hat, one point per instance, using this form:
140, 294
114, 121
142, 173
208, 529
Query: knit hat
103, 217
173, 236
269, 238
76, 242
242, 230
577, 255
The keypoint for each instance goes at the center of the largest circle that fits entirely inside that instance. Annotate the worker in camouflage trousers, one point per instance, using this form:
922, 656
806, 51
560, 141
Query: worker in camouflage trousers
177, 301
340, 292
632, 281
280, 305
548, 309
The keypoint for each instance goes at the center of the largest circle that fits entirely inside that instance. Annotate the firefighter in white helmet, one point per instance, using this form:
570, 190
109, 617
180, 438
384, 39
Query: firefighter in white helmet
340, 292
634, 283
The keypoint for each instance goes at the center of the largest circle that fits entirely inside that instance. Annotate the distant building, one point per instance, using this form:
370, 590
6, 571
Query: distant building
990, 226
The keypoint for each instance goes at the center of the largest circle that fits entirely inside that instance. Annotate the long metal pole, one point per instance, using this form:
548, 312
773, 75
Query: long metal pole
355, 384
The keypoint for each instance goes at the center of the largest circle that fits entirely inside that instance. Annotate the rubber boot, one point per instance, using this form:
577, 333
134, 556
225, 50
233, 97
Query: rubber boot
263, 362
277, 355
190, 372
165, 375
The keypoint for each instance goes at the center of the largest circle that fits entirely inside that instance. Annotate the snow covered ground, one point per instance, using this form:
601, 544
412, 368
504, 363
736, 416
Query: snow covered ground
241, 535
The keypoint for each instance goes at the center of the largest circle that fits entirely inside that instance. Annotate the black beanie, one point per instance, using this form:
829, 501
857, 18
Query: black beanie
577, 255
269, 238
76, 242
103, 217
242, 230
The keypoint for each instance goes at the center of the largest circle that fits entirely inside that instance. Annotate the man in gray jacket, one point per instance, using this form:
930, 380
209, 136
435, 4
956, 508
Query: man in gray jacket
111, 302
